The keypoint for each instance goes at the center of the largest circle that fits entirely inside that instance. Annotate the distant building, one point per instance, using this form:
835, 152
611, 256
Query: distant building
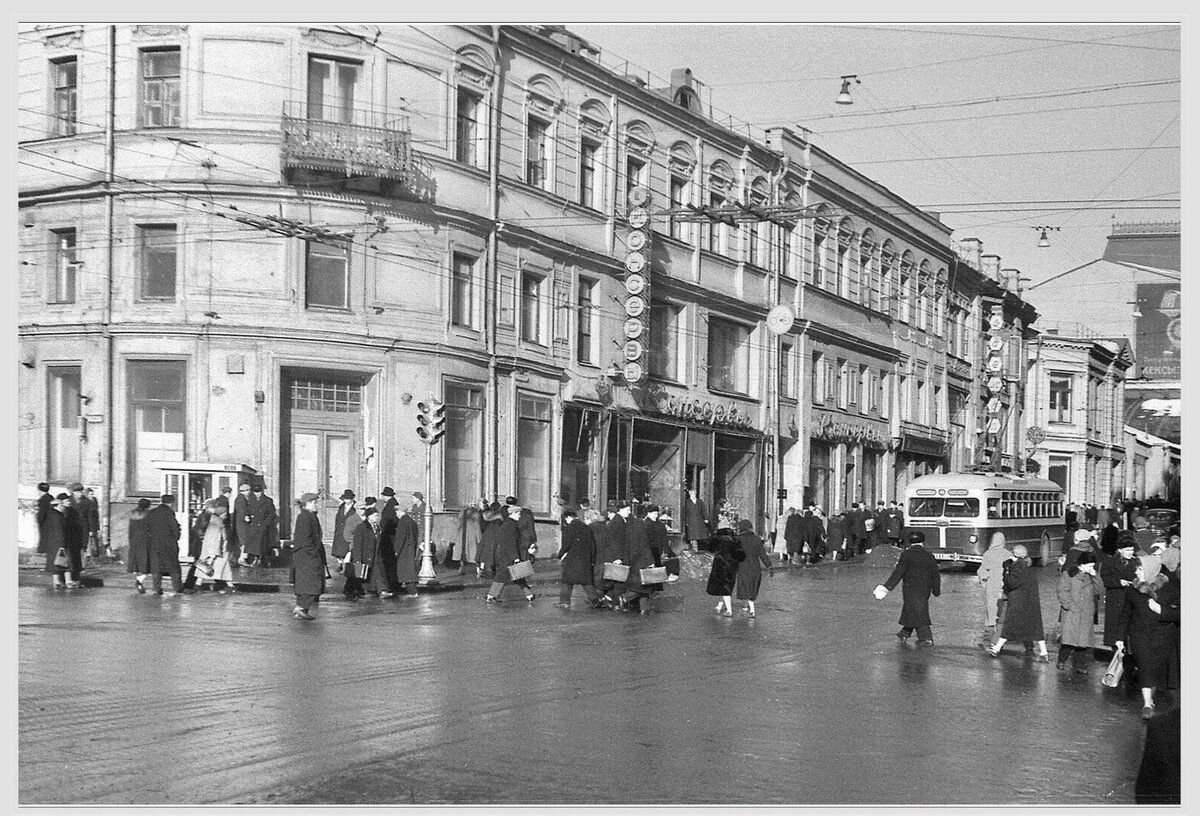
1133, 291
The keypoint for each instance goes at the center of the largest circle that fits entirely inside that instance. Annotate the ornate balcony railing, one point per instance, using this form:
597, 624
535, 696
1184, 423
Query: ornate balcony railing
369, 145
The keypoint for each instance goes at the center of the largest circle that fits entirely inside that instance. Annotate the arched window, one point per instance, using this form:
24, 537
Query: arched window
681, 167
905, 285
867, 271
847, 282
639, 145
472, 75
594, 124
543, 102
940, 293
789, 234
821, 238
720, 183
889, 262
924, 293
760, 196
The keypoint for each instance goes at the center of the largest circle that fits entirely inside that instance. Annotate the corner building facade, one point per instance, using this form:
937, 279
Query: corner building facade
272, 266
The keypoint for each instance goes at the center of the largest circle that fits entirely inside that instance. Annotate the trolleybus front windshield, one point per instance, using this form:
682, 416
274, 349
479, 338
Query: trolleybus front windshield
939, 508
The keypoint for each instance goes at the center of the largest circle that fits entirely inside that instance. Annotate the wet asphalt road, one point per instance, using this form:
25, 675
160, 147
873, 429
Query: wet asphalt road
443, 699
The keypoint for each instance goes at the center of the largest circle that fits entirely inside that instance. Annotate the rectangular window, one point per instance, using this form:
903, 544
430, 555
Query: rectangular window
923, 402
62, 283
531, 308
326, 275
462, 290
728, 356
332, 88
588, 191
787, 370
462, 455
635, 175
1060, 398
326, 395
160, 88
831, 383
678, 196
873, 389
863, 388
155, 395
666, 333
885, 394
843, 384
818, 378
714, 232
469, 145
585, 336
64, 82
62, 422
905, 399
939, 414
536, 165
905, 295
157, 247
820, 240
533, 453
752, 244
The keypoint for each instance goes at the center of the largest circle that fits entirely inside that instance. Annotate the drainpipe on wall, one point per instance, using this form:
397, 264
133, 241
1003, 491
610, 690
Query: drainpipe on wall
106, 319
491, 446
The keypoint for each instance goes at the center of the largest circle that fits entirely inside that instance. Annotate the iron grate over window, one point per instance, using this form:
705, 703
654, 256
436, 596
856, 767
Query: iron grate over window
326, 395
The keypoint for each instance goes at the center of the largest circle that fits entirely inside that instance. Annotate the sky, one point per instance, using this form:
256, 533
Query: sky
926, 122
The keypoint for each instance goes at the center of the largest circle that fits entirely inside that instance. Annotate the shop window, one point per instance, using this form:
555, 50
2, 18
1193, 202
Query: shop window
462, 453
533, 453
156, 421
63, 410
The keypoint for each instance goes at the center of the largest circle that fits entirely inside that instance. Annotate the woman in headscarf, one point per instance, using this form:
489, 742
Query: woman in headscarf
749, 574
1023, 616
1117, 570
138, 558
727, 556
1148, 641
211, 528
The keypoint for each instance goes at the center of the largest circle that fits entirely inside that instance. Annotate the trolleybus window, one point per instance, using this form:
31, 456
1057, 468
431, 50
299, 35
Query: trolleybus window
936, 508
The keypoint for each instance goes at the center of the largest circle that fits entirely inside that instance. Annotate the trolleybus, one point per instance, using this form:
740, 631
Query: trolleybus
958, 512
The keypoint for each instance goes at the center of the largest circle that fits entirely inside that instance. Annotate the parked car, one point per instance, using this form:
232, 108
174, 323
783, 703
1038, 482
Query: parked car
1163, 523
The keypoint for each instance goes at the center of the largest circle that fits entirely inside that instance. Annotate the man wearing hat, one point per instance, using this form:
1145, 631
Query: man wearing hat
919, 571
612, 546
162, 530
344, 523
388, 518
308, 558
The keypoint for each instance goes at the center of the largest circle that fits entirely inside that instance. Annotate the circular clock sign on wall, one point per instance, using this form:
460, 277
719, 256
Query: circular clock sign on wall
781, 319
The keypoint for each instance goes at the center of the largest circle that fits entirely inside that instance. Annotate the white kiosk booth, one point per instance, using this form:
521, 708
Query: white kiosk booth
194, 483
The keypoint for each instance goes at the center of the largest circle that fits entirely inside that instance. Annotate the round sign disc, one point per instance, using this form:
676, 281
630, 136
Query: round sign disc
633, 349
781, 319
639, 197
1035, 435
634, 306
634, 284
633, 372
638, 217
636, 240
633, 328
635, 262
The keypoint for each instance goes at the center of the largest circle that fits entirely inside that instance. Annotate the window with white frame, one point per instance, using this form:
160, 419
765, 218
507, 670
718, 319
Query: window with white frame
885, 394
843, 383
714, 233
533, 452
666, 330
65, 267
333, 89
462, 453
462, 290
906, 402
637, 174
819, 244
64, 84
326, 274
533, 315
868, 284
587, 345
817, 385
923, 402
678, 200
537, 155
873, 392
939, 411
904, 289
1061, 386
63, 409
728, 356
863, 386
589, 189
159, 103
470, 146
157, 257
831, 383
787, 369
156, 400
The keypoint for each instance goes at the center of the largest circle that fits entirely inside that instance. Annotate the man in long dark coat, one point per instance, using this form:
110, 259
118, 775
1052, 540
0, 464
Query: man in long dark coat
388, 518
855, 531
526, 526
793, 535
506, 552
613, 547
578, 557
812, 536
918, 569
365, 550
308, 558
893, 525
258, 535
241, 522
344, 523
162, 528
696, 528
404, 543
43, 512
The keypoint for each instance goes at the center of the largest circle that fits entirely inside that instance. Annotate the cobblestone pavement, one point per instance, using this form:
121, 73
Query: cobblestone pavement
127, 698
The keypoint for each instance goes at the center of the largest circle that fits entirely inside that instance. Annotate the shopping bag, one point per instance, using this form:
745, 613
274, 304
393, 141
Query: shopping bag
1116, 667
61, 559
221, 570
519, 570
362, 571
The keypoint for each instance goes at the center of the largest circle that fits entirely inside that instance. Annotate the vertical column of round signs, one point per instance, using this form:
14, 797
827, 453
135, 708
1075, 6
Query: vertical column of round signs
637, 286
994, 366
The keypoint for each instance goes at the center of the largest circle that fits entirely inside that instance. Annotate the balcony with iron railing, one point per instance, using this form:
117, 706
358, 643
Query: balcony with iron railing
353, 142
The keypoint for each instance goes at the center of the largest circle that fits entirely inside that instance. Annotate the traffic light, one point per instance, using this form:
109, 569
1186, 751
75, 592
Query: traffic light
432, 418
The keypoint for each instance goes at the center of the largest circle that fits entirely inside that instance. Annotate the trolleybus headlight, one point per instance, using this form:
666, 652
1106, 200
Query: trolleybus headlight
973, 538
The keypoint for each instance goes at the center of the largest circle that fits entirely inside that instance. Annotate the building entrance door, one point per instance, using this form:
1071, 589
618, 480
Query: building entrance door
320, 463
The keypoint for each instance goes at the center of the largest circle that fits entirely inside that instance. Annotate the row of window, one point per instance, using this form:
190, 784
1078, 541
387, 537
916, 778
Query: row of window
158, 98
856, 387
1026, 504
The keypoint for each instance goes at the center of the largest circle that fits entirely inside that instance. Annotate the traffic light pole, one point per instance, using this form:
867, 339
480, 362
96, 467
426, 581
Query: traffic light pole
427, 576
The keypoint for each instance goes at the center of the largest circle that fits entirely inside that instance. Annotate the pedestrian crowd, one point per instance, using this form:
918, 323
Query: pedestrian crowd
807, 536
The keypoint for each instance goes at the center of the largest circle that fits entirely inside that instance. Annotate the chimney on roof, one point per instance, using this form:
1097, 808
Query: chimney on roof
990, 266
1009, 278
685, 91
972, 248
